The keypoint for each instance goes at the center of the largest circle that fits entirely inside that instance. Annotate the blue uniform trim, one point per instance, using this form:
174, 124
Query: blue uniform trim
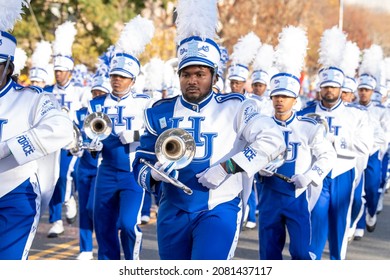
49, 88
220, 98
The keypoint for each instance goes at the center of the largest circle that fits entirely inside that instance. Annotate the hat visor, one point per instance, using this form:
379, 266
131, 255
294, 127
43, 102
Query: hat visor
283, 92
366, 87
122, 73
237, 78
61, 68
330, 84
103, 89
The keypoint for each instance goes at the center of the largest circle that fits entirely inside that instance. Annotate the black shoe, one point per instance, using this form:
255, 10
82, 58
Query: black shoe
370, 228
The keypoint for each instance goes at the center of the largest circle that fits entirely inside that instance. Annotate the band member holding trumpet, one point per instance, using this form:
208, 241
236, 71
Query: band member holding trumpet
232, 142
285, 205
118, 197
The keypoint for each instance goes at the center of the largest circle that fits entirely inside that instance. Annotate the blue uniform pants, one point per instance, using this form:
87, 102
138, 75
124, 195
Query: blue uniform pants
85, 182
278, 212
64, 187
118, 203
205, 235
19, 217
330, 217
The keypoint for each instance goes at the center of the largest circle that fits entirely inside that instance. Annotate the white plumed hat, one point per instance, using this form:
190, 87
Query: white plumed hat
11, 11
40, 60
290, 56
136, 34
244, 51
331, 53
262, 64
19, 61
349, 65
62, 46
197, 22
370, 67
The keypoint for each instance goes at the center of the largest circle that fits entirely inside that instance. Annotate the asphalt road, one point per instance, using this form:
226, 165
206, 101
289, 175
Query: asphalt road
373, 246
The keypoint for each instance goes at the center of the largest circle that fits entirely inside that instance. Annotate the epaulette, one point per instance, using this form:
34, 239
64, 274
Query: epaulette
220, 98
355, 105
165, 100
307, 119
33, 88
141, 95
49, 88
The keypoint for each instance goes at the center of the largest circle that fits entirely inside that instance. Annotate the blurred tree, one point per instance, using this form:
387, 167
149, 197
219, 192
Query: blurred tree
99, 23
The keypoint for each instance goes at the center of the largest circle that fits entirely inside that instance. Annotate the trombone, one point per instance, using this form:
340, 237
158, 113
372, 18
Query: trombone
174, 145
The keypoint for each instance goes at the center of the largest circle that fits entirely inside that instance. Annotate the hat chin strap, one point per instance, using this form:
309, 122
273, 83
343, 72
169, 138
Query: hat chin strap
3, 76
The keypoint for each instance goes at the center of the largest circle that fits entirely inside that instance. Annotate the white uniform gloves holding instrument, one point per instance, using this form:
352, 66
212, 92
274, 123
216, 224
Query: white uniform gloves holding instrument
212, 177
167, 168
96, 145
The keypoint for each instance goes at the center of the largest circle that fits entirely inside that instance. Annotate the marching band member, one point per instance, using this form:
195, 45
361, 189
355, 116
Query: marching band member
118, 197
351, 135
233, 142
67, 96
31, 126
40, 61
380, 118
244, 52
285, 205
86, 170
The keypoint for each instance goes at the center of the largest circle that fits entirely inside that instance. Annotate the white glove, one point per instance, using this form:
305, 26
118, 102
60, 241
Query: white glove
167, 168
126, 136
300, 181
96, 145
4, 150
271, 167
212, 177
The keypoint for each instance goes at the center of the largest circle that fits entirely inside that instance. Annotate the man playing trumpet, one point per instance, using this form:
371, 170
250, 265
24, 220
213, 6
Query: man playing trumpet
233, 142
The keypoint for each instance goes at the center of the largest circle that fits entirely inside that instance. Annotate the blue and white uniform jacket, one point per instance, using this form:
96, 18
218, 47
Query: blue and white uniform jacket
33, 126
126, 113
353, 135
223, 127
380, 115
264, 103
308, 152
67, 96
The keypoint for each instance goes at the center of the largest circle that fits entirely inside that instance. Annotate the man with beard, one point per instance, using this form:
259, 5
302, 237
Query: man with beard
351, 135
233, 142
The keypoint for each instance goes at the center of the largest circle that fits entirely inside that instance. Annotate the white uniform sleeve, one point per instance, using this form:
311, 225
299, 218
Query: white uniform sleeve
51, 129
324, 155
264, 137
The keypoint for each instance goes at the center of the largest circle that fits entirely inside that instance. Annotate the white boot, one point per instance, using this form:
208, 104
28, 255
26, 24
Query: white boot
85, 256
71, 210
56, 229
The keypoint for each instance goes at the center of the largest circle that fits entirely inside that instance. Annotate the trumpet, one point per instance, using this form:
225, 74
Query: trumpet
77, 143
98, 125
176, 146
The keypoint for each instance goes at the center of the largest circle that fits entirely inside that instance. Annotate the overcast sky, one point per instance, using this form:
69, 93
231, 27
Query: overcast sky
377, 4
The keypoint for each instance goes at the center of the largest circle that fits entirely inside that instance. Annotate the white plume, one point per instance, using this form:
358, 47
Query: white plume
351, 58
64, 38
245, 49
169, 74
154, 74
196, 18
11, 11
136, 34
264, 58
19, 60
291, 51
332, 46
372, 58
42, 54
